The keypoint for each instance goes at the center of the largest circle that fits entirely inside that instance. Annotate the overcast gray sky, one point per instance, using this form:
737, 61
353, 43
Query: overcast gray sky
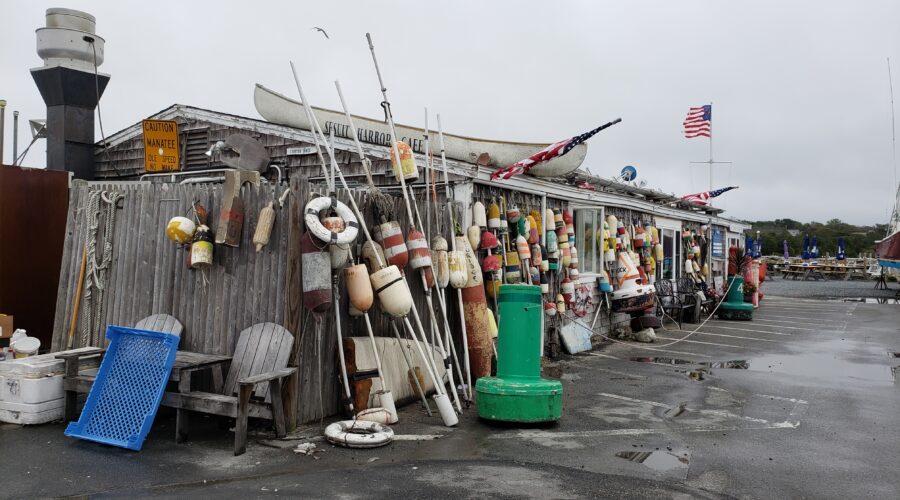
799, 89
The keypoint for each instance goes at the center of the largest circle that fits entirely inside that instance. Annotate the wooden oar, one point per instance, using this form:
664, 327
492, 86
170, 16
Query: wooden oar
71, 342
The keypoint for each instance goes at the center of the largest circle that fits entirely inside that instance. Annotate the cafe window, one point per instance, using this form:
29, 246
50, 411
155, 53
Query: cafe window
588, 224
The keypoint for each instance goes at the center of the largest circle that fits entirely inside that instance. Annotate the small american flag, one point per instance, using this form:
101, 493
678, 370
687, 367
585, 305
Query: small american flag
552, 151
698, 122
703, 198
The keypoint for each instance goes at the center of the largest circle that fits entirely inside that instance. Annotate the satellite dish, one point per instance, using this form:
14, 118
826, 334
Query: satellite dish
629, 173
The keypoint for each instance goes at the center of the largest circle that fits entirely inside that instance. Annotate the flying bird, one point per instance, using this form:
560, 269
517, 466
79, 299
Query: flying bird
323, 31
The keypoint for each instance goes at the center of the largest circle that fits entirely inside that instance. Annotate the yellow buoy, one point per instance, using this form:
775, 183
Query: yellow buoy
407, 163
180, 229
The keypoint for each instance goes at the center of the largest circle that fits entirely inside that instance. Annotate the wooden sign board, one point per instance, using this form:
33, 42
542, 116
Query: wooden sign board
161, 148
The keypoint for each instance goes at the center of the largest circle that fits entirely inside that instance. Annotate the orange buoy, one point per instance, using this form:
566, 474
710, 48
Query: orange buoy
407, 163
359, 288
522, 248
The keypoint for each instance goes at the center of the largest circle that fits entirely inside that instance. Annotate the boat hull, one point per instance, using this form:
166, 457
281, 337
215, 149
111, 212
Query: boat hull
277, 108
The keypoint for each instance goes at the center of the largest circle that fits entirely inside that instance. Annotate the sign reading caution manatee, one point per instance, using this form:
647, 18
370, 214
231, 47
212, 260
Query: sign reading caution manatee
161, 145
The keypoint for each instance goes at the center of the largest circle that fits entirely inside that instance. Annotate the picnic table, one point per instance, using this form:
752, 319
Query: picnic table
804, 271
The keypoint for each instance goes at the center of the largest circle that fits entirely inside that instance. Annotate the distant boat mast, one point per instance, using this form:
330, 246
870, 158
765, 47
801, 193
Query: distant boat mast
894, 224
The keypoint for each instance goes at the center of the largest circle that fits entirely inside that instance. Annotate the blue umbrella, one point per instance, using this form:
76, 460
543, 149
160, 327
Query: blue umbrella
814, 253
787, 254
841, 253
748, 245
805, 254
757, 248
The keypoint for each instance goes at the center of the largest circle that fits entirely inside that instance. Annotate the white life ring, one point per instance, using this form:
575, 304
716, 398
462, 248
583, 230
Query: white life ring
316, 205
359, 434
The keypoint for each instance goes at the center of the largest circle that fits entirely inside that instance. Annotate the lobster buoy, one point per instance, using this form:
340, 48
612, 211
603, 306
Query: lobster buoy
704, 271
440, 262
395, 249
345, 236
490, 263
603, 282
180, 229
638, 237
545, 285
474, 236
522, 248
513, 274
493, 215
456, 263
545, 260
654, 235
522, 227
552, 241
535, 276
648, 235
488, 240
560, 304
549, 308
492, 285
504, 224
419, 254
538, 221
573, 259
359, 288
441, 268
549, 220
567, 288
264, 226
373, 255
473, 268
339, 255
573, 273
658, 252
406, 164
202, 248
479, 217
513, 215
393, 293
534, 235
536, 255
566, 252
558, 219
567, 217
553, 261
316, 274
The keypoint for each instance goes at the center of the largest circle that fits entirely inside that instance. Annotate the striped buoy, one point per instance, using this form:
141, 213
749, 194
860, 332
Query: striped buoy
513, 215
316, 275
638, 237
538, 221
512, 271
545, 259
504, 224
420, 255
522, 227
395, 249
560, 304
545, 285
558, 219
573, 260
493, 215
567, 288
549, 308
553, 261
567, 217
479, 217
535, 276
603, 282
522, 248
534, 235
573, 273
536, 255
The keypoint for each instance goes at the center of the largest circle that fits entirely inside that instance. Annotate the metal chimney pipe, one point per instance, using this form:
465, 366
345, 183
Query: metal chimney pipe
15, 136
2, 123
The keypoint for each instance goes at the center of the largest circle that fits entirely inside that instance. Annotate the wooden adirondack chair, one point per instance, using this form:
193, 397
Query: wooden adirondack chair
75, 383
252, 387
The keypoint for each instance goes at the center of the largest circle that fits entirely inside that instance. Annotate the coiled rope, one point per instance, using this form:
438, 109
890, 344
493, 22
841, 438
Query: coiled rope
96, 272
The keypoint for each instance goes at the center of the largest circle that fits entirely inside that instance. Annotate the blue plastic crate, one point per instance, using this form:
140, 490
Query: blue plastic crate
128, 389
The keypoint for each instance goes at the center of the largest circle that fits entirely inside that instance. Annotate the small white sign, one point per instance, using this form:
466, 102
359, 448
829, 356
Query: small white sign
306, 150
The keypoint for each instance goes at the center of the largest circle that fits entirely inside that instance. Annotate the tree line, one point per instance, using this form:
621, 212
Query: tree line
859, 240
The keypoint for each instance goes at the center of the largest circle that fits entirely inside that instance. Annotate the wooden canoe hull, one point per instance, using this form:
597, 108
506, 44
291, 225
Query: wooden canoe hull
277, 108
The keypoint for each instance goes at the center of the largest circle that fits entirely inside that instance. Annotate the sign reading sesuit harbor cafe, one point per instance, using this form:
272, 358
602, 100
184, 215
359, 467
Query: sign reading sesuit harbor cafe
160, 145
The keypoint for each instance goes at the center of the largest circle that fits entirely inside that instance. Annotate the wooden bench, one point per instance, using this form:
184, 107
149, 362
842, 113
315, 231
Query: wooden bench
251, 389
75, 383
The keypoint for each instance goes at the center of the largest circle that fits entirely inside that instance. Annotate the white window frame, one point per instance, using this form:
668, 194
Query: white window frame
599, 218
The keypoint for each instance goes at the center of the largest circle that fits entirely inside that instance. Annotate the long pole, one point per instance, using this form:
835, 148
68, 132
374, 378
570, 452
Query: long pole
412, 219
462, 315
710, 149
15, 136
2, 123
311, 117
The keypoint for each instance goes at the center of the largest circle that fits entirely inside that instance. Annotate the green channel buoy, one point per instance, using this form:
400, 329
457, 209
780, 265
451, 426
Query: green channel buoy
734, 307
518, 393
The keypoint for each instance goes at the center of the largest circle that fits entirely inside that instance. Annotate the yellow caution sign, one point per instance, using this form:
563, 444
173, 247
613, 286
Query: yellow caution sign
161, 148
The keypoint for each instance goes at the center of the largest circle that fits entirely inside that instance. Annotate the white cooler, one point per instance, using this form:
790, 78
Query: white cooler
31, 389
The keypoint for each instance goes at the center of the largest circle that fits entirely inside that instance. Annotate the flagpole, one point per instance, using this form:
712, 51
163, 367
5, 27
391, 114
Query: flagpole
710, 148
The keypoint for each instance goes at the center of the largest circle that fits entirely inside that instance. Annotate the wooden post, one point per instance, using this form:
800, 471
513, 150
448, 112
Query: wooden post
293, 309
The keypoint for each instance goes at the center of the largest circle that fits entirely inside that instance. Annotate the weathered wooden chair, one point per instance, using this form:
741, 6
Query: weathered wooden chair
75, 383
252, 387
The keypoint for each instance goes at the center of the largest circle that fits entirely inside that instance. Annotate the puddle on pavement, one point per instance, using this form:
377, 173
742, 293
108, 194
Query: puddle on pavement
826, 365
870, 300
660, 461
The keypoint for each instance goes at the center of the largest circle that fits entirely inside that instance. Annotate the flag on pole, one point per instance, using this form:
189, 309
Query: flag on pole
698, 122
703, 198
552, 151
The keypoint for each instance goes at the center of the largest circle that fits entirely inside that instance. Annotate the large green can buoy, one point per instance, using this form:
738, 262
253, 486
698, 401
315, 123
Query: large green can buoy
518, 393
734, 307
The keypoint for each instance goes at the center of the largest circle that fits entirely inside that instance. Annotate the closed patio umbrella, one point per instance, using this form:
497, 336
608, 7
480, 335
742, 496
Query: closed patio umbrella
805, 254
841, 252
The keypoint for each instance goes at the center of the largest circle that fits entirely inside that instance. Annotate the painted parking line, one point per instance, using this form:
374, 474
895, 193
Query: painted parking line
717, 323
766, 320
787, 317
745, 329
663, 349
765, 305
724, 335
699, 342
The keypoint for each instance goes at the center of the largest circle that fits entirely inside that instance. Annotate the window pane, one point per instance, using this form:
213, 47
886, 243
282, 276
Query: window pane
586, 242
668, 271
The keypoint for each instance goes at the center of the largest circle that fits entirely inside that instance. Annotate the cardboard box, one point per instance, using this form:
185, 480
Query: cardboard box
6, 326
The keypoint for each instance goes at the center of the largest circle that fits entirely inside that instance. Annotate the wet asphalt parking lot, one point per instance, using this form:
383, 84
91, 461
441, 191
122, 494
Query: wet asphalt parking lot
802, 402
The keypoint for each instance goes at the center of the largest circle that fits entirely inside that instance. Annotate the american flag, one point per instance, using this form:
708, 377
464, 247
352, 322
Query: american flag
703, 198
554, 150
698, 122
